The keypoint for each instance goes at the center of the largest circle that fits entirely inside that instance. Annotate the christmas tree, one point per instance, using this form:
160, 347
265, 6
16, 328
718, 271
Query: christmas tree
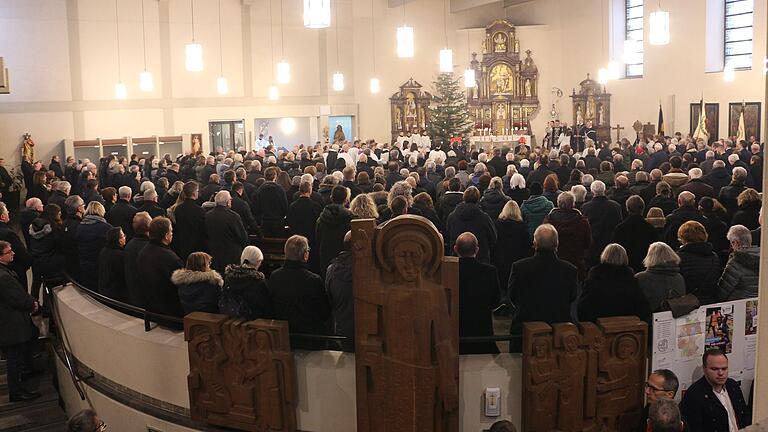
449, 116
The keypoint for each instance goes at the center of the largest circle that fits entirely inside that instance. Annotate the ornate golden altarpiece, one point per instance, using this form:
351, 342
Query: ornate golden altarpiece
410, 108
593, 103
506, 95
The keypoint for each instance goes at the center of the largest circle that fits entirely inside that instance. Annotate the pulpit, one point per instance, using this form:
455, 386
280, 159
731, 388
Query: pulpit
593, 104
410, 109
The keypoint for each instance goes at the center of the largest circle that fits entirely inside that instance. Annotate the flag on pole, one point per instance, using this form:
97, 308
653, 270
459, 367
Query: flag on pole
741, 135
661, 121
701, 127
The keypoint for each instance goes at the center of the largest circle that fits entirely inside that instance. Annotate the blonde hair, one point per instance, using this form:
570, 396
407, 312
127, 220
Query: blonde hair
511, 211
363, 207
614, 254
95, 208
660, 253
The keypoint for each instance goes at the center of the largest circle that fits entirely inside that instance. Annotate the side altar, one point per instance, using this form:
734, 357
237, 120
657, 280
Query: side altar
506, 95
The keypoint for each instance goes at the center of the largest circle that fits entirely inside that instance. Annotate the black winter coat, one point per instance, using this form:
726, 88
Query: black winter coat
728, 197
58, 198
718, 179
112, 273
226, 237
131, 264
188, 236
611, 291
69, 245
665, 203
198, 290
468, 217
152, 208
677, 219
16, 326
156, 264
747, 215
701, 269
703, 411
635, 234
513, 243
46, 249
298, 296
91, 236
249, 285
603, 215
121, 214
478, 296
447, 205
338, 286
269, 208
22, 260
493, 202
331, 227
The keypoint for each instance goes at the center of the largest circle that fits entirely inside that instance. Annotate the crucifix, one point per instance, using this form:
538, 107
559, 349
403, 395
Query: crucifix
5, 84
618, 130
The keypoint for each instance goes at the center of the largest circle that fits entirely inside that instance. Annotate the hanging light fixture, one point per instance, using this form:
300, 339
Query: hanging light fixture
283, 68
273, 91
375, 84
405, 48
446, 54
193, 50
146, 83
659, 31
317, 13
338, 77
729, 73
469, 73
222, 87
121, 92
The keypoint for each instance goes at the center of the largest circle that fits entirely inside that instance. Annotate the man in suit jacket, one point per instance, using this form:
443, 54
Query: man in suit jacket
715, 403
543, 286
478, 296
225, 232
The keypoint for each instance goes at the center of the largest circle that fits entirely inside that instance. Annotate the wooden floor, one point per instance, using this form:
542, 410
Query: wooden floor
41, 415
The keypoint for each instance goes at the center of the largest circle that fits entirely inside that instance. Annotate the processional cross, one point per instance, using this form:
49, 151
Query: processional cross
618, 130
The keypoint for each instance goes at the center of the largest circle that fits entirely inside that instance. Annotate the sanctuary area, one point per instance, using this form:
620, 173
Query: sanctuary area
383, 215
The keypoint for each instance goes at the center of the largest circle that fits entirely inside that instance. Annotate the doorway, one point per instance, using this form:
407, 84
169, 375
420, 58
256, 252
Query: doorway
227, 135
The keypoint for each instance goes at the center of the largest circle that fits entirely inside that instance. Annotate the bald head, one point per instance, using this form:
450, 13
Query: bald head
34, 204
466, 245
686, 199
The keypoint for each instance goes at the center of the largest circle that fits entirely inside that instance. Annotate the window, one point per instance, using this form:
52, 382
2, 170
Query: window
633, 36
738, 33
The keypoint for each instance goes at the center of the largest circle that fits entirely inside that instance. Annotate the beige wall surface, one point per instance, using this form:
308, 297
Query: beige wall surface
155, 363
62, 58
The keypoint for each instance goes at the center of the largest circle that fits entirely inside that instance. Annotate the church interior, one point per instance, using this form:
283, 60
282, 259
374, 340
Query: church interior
96, 79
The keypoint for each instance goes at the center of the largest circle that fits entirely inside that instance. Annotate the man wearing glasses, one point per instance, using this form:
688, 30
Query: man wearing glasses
17, 332
661, 384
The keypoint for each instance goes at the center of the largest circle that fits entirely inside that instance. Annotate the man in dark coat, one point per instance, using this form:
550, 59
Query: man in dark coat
696, 185
686, 211
270, 205
5, 184
298, 295
478, 296
60, 195
498, 163
338, 285
301, 219
635, 234
574, 232
17, 332
190, 218
729, 195
331, 227
542, 287
121, 214
225, 232
469, 217
604, 215
22, 260
210, 189
155, 265
539, 174
149, 204
715, 402
33, 208
242, 208
718, 178
131, 253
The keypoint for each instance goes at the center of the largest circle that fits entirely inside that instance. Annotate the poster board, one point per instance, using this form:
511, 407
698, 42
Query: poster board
679, 343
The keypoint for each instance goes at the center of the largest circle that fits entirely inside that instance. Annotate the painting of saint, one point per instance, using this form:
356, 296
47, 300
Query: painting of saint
500, 43
501, 79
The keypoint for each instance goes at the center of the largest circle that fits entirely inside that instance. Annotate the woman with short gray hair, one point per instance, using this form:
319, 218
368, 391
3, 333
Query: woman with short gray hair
662, 279
245, 294
611, 289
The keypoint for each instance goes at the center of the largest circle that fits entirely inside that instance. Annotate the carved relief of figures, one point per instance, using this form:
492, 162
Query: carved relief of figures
406, 338
501, 79
241, 373
500, 43
585, 378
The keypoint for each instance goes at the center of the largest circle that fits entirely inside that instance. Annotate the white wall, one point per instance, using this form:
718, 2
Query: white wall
63, 64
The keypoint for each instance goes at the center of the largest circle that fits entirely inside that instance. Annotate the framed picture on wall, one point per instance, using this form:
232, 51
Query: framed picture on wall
751, 119
197, 143
712, 112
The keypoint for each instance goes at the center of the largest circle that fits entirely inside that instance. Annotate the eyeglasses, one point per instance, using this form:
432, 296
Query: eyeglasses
101, 427
654, 388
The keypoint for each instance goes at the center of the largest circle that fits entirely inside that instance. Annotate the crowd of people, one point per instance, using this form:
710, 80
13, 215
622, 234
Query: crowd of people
550, 235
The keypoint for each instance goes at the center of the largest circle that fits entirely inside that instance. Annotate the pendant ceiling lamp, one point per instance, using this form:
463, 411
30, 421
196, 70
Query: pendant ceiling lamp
317, 14
273, 91
375, 84
446, 54
405, 48
338, 77
193, 51
659, 31
146, 83
222, 86
283, 68
121, 92
469, 73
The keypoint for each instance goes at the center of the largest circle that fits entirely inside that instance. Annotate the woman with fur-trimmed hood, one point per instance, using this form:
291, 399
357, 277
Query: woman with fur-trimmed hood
198, 285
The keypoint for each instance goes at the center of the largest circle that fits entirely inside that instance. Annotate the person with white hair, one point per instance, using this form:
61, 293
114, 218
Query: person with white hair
543, 286
60, 193
603, 215
121, 214
718, 177
573, 229
611, 289
225, 232
149, 204
729, 195
697, 186
245, 294
687, 210
741, 273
